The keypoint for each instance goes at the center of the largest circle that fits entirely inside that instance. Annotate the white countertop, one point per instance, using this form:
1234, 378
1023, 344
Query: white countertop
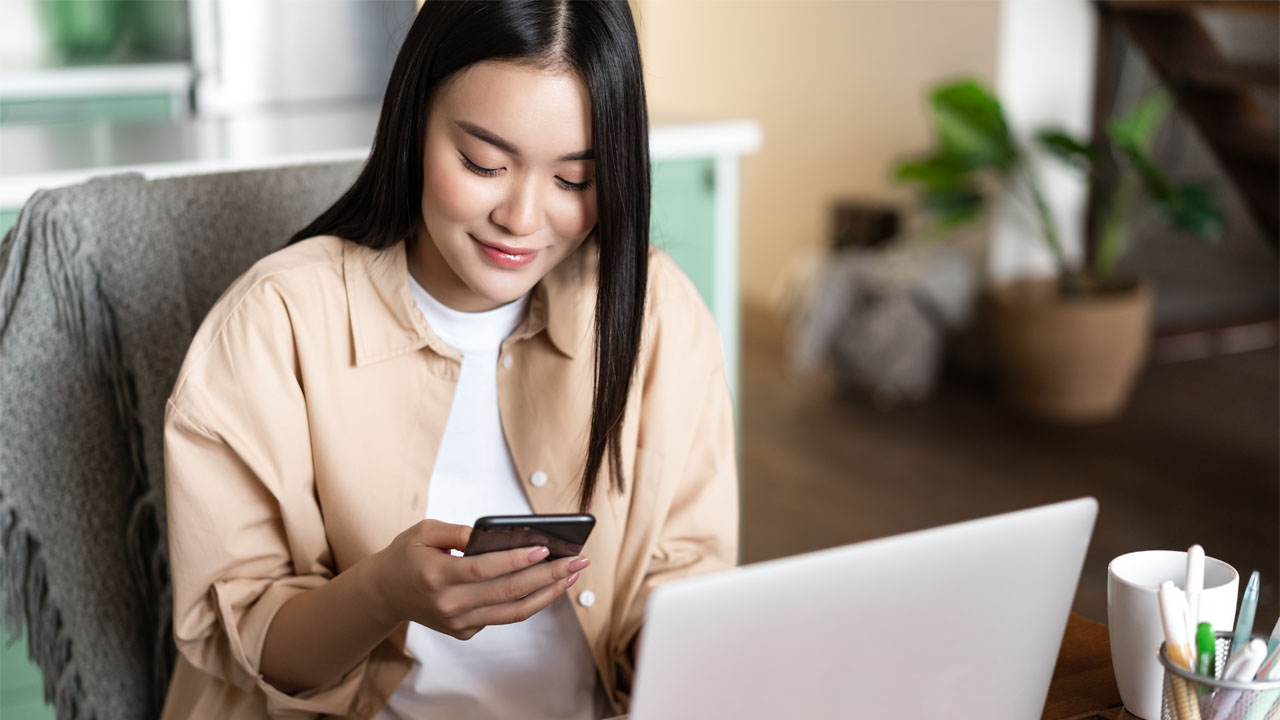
34, 157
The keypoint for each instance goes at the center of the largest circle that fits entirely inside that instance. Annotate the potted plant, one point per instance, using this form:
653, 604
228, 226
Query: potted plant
1069, 348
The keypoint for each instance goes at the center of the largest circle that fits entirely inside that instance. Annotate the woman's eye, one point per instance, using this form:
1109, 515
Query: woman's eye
575, 186
492, 172
487, 172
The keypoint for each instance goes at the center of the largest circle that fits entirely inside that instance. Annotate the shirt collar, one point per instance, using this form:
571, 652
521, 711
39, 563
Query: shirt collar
385, 322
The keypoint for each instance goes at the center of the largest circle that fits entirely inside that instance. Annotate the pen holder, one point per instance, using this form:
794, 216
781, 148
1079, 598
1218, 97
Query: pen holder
1189, 696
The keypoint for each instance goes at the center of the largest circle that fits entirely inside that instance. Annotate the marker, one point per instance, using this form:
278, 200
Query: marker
1194, 584
1244, 621
1205, 654
1173, 615
1240, 668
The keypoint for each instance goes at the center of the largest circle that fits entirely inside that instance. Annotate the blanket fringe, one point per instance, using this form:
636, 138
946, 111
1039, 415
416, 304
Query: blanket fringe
86, 313
25, 589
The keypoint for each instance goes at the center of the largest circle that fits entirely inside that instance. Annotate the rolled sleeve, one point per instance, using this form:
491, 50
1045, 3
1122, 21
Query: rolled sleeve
260, 601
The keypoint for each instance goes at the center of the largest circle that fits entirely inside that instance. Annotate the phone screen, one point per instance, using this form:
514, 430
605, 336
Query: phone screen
563, 535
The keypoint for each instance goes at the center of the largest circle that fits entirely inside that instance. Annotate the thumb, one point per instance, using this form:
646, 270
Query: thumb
443, 535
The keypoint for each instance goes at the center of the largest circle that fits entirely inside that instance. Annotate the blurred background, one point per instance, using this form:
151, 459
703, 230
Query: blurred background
966, 257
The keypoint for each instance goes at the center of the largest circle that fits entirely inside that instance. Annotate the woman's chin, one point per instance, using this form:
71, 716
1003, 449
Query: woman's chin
499, 293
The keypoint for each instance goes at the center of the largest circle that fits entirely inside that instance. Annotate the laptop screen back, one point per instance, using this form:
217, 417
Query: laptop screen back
962, 621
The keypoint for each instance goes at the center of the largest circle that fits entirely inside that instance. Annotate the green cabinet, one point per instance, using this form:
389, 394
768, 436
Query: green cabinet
8, 218
693, 219
682, 219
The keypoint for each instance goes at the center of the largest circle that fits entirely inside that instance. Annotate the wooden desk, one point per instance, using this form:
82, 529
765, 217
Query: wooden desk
1084, 684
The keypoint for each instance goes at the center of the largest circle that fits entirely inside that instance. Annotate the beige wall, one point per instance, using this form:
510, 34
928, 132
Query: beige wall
838, 88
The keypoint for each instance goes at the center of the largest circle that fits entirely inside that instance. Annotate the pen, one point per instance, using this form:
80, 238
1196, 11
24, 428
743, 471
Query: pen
1173, 615
1240, 668
1195, 583
1244, 621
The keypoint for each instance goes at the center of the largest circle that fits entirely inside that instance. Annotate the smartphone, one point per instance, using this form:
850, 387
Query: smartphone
563, 535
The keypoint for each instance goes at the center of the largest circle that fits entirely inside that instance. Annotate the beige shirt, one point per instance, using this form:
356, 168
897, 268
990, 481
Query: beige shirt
304, 425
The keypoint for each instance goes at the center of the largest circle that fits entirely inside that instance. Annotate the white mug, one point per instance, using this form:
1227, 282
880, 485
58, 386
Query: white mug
1133, 618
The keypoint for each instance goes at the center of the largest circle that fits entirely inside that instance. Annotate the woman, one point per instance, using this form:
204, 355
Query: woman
478, 326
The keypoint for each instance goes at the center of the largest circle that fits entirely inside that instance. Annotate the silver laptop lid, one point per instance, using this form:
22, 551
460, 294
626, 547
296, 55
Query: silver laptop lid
962, 621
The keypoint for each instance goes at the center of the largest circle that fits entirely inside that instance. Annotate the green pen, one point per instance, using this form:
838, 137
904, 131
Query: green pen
1205, 654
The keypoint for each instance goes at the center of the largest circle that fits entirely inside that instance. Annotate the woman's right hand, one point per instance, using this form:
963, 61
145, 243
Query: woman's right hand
420, 580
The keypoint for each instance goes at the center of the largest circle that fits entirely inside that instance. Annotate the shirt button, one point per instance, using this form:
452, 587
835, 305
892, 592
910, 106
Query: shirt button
586, 598
507, 362
538, 479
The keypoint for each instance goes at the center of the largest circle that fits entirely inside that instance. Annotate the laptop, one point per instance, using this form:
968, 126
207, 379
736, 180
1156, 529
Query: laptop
962, 621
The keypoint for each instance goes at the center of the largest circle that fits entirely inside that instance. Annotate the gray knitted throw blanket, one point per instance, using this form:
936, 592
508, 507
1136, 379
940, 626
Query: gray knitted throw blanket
102, 286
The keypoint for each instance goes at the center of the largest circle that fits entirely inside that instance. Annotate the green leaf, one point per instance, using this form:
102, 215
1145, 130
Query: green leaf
1136, 128
1190, 208
1153, 179
971, 126
1067, 148
934, 171
954, 206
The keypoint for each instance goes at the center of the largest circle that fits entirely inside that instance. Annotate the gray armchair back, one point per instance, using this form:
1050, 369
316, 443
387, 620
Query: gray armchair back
102, 286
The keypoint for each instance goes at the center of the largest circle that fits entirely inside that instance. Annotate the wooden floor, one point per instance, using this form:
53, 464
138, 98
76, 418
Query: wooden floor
1195, 459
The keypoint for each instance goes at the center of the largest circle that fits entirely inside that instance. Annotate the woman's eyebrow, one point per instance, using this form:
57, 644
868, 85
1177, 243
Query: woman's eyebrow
480, 133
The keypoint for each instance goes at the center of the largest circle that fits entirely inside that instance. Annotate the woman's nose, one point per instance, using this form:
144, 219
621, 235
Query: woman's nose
522, 213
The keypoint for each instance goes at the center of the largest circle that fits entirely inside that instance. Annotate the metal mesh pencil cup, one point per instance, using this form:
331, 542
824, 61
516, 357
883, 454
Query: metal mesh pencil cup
1188, 696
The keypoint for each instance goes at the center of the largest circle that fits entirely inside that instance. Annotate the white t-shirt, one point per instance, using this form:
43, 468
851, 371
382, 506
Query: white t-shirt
539, 668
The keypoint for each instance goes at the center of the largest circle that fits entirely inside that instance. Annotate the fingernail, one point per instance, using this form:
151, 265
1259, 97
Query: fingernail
569, 581
538, 553
578, 564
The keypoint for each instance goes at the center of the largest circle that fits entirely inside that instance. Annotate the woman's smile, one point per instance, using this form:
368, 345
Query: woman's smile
505, 256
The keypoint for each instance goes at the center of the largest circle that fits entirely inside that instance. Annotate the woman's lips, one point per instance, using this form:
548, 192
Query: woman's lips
507, 257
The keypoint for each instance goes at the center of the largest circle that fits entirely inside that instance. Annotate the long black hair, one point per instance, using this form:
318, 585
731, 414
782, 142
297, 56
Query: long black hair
597, 41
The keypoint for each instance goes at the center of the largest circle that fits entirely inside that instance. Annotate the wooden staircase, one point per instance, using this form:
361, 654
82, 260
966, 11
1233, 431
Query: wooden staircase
1214, 93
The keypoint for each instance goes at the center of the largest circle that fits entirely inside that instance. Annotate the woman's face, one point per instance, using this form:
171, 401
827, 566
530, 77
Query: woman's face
508, 183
